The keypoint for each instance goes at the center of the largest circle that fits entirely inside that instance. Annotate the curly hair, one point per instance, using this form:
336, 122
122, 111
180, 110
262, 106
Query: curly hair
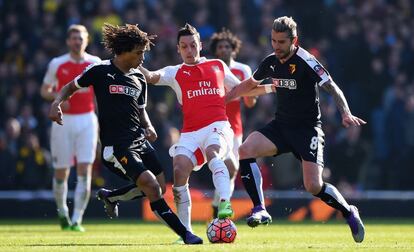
125, 38
225, 34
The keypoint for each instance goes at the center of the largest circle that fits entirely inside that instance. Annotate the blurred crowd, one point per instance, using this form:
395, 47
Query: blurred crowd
366, 45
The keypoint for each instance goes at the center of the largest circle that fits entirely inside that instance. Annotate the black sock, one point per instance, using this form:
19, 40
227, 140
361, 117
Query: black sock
164, 213
252, 180
331, 196
126, 193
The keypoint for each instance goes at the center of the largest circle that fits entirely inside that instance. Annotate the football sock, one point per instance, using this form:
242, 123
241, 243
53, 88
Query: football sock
81, 198
60, 191
216, 199
129, 192
252, 180
221, 177
182, 201
331, 196
165, 214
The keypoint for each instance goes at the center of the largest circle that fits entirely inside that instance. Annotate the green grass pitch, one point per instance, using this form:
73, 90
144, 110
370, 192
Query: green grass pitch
132, 235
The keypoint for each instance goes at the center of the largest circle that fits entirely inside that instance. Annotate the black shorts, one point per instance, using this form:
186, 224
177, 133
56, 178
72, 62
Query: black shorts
305, 142
130, 161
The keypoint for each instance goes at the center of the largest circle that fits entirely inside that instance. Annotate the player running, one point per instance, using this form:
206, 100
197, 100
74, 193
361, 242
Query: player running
121, 92
297, 125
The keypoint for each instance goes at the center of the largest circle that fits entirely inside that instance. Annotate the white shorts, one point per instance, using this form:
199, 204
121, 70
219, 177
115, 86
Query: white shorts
219, 133
77, 137
237, 141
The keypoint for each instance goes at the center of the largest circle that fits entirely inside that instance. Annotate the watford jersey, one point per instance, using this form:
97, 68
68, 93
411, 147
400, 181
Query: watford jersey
119, 96
297, 82
200, 89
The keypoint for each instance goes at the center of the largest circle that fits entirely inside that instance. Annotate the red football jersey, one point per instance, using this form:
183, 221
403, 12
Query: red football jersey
61, 71
200, 89
233, 110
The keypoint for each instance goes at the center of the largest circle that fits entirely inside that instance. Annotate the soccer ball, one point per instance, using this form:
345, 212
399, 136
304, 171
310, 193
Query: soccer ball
221, 231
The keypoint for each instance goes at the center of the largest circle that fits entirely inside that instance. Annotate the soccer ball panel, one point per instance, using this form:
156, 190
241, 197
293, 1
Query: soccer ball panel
221, 231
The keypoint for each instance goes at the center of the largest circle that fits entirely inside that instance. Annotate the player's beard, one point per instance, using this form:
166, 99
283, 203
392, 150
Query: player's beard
284, 55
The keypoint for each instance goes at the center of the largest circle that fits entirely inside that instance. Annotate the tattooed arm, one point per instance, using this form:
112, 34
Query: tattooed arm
347, 118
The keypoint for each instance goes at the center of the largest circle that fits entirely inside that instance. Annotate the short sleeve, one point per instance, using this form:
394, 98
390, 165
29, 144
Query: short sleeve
230, 80
247, 72
167, 75
263, 71
88, 77
317, 72
50, 76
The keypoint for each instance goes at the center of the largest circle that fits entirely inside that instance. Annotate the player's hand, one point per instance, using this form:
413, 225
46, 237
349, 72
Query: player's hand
350, 120
65, 106
55, 113
150, 134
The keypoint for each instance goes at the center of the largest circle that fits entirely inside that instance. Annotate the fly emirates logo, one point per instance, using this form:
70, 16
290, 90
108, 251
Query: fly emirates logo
204, 89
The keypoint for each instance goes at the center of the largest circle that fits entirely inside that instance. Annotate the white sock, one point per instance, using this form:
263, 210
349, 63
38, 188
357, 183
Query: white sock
60, 191
221, 178
182, 199
82, 194
216, 199
257, 176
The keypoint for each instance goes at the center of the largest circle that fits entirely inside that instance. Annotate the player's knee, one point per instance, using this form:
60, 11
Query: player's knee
152, 190
182, 170
163, 189
245, 151
313, 186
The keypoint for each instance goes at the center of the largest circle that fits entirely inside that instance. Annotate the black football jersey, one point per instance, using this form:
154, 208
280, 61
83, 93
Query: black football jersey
296, 83
119, 96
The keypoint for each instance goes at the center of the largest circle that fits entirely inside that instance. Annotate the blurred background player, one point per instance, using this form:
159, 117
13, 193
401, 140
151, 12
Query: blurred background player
200, 86
296, 127
225, 45
125, 128
77, 139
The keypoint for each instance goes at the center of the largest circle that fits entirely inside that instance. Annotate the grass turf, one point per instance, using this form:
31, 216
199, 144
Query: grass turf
132, 235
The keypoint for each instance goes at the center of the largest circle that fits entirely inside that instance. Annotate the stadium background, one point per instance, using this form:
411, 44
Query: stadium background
368, 47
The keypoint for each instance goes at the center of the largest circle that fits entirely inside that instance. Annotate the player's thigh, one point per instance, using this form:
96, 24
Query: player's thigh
123, 161
151, 160
308, 143
86, 138
218, 140
61, 146
257, 145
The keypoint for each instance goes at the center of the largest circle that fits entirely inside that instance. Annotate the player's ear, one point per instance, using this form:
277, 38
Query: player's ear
178, 49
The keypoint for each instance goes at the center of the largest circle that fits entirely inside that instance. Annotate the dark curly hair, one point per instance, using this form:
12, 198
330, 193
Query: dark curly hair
225, 34
125, 38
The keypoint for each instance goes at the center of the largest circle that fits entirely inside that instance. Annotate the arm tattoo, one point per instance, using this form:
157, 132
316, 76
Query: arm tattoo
338, 95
